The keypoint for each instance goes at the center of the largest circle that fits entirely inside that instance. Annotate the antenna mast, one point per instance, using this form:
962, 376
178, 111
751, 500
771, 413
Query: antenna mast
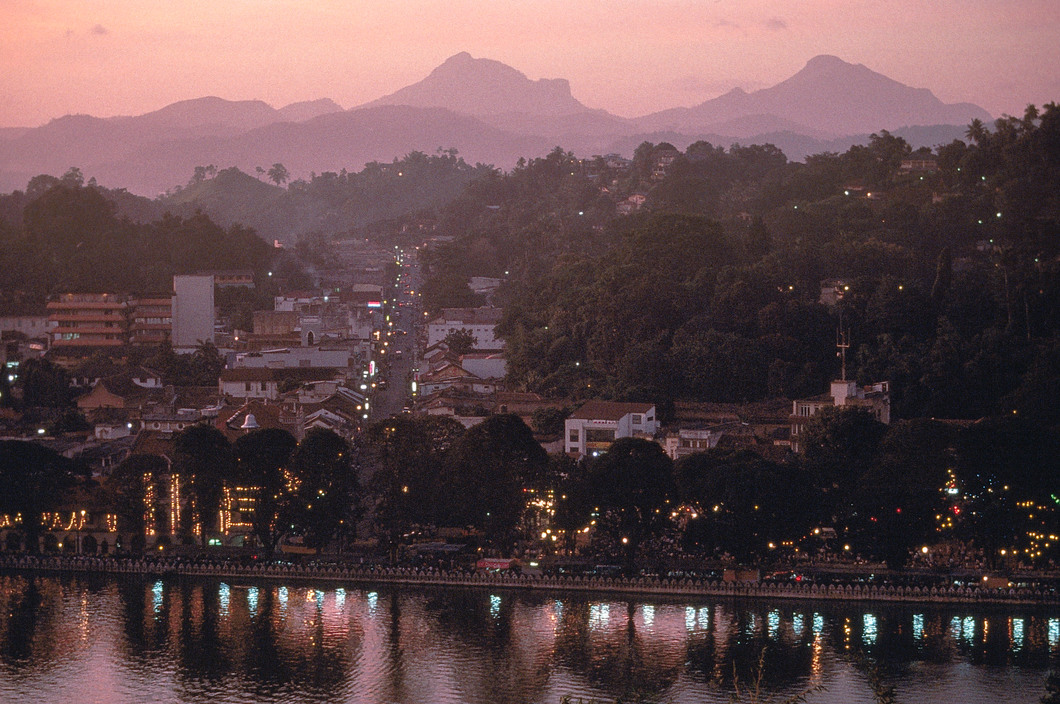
842, 344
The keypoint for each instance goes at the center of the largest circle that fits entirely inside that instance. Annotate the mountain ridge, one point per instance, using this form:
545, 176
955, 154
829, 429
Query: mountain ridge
489, 111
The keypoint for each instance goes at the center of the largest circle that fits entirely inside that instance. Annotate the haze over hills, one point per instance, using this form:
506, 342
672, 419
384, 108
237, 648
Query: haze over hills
828, 95
490, 112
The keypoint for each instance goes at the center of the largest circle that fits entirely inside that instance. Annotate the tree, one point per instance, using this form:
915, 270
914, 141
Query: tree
549, 420
325, 489
203, 459
461, 341
261, 459
406, 456
742, 501
33, 480
632, 487
899, 498
487, 476
278, 174
127, 489
44, 385
840, 445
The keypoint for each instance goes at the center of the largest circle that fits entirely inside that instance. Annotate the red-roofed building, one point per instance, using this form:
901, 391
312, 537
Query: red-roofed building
596, 425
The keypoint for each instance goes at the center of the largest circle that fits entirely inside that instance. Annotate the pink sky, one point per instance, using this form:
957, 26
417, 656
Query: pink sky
630, 57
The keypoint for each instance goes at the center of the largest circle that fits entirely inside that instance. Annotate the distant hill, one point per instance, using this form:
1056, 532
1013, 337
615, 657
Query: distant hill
483, 87
491, 113
828, 95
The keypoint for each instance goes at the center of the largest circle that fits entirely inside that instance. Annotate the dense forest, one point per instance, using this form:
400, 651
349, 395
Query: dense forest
327, 204
947, 271
72, 239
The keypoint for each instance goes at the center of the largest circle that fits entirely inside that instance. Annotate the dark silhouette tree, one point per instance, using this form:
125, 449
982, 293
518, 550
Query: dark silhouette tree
33, 480
461, 341
278, 174
261, 459
126, 490
486, 474
325, 502
405, 456
203, 459
633, 489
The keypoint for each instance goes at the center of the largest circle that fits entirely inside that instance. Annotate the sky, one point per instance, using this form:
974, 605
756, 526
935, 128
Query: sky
630, 57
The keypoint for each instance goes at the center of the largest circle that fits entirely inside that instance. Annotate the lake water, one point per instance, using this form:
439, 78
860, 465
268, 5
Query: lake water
109, 640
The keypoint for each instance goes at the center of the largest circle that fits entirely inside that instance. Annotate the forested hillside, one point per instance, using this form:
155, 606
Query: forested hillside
945, 267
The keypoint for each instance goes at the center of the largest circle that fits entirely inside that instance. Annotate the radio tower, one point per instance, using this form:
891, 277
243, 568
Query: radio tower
842, 343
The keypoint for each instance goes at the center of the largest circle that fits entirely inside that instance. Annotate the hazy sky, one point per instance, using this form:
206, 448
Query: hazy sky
631, 57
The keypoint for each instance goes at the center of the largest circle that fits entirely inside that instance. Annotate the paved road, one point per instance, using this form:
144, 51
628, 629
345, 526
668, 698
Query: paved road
393, 395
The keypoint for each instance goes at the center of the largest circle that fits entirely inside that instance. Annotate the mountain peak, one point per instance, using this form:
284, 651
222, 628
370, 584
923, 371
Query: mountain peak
484, 88
456, 59
830, 96
827, 61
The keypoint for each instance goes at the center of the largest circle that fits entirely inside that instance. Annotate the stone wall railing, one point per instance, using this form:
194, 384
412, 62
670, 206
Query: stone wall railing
428, 577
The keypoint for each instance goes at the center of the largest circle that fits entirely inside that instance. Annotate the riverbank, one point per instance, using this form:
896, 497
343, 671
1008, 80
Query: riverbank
369, 576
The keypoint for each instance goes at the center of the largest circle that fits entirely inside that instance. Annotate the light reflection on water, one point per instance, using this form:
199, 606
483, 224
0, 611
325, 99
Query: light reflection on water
212, 642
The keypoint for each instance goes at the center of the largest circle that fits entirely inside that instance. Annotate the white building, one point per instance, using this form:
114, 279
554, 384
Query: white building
480, 322
485, 365
339, 356
844, 393
597, 424
193, 311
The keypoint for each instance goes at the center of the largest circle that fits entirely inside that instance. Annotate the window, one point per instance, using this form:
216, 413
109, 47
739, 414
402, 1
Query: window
574, 436
599, 435
637, 419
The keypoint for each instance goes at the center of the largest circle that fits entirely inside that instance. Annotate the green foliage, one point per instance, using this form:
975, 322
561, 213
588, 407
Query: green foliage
549, 421
485, 475
127, 487
325, 500
461, 341
632, 488
72, 239
33, 480
261, 458
202, 457
405, 456
44, 384
743, 502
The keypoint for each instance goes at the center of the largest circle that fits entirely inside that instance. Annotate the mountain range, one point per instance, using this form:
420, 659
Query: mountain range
490, 112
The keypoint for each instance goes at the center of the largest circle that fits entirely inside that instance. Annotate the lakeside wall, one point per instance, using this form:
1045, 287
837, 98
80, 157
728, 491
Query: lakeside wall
369, 576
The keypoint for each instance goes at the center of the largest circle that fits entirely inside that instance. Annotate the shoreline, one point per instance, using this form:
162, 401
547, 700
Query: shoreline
606, 585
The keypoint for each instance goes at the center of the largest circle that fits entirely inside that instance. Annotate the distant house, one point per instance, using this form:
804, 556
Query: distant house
480, 322
923, 165
228, 278
258, 383
832, 291
843, 394
593, 428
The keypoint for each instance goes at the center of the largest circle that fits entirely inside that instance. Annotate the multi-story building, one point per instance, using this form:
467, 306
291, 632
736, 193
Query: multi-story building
480, 322
88, 320
193, 311
843, 394
152, 320
593, 428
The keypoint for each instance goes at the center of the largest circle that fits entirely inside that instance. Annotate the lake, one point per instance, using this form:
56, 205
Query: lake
106, 639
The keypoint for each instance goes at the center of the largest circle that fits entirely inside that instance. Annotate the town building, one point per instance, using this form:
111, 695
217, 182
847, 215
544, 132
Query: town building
480, 322
593, 428
88, 321
843, 394
151, 320
193, 311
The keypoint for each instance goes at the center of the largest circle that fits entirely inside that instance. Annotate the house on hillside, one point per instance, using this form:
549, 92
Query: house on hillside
843, 394
593, 428
480, 322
